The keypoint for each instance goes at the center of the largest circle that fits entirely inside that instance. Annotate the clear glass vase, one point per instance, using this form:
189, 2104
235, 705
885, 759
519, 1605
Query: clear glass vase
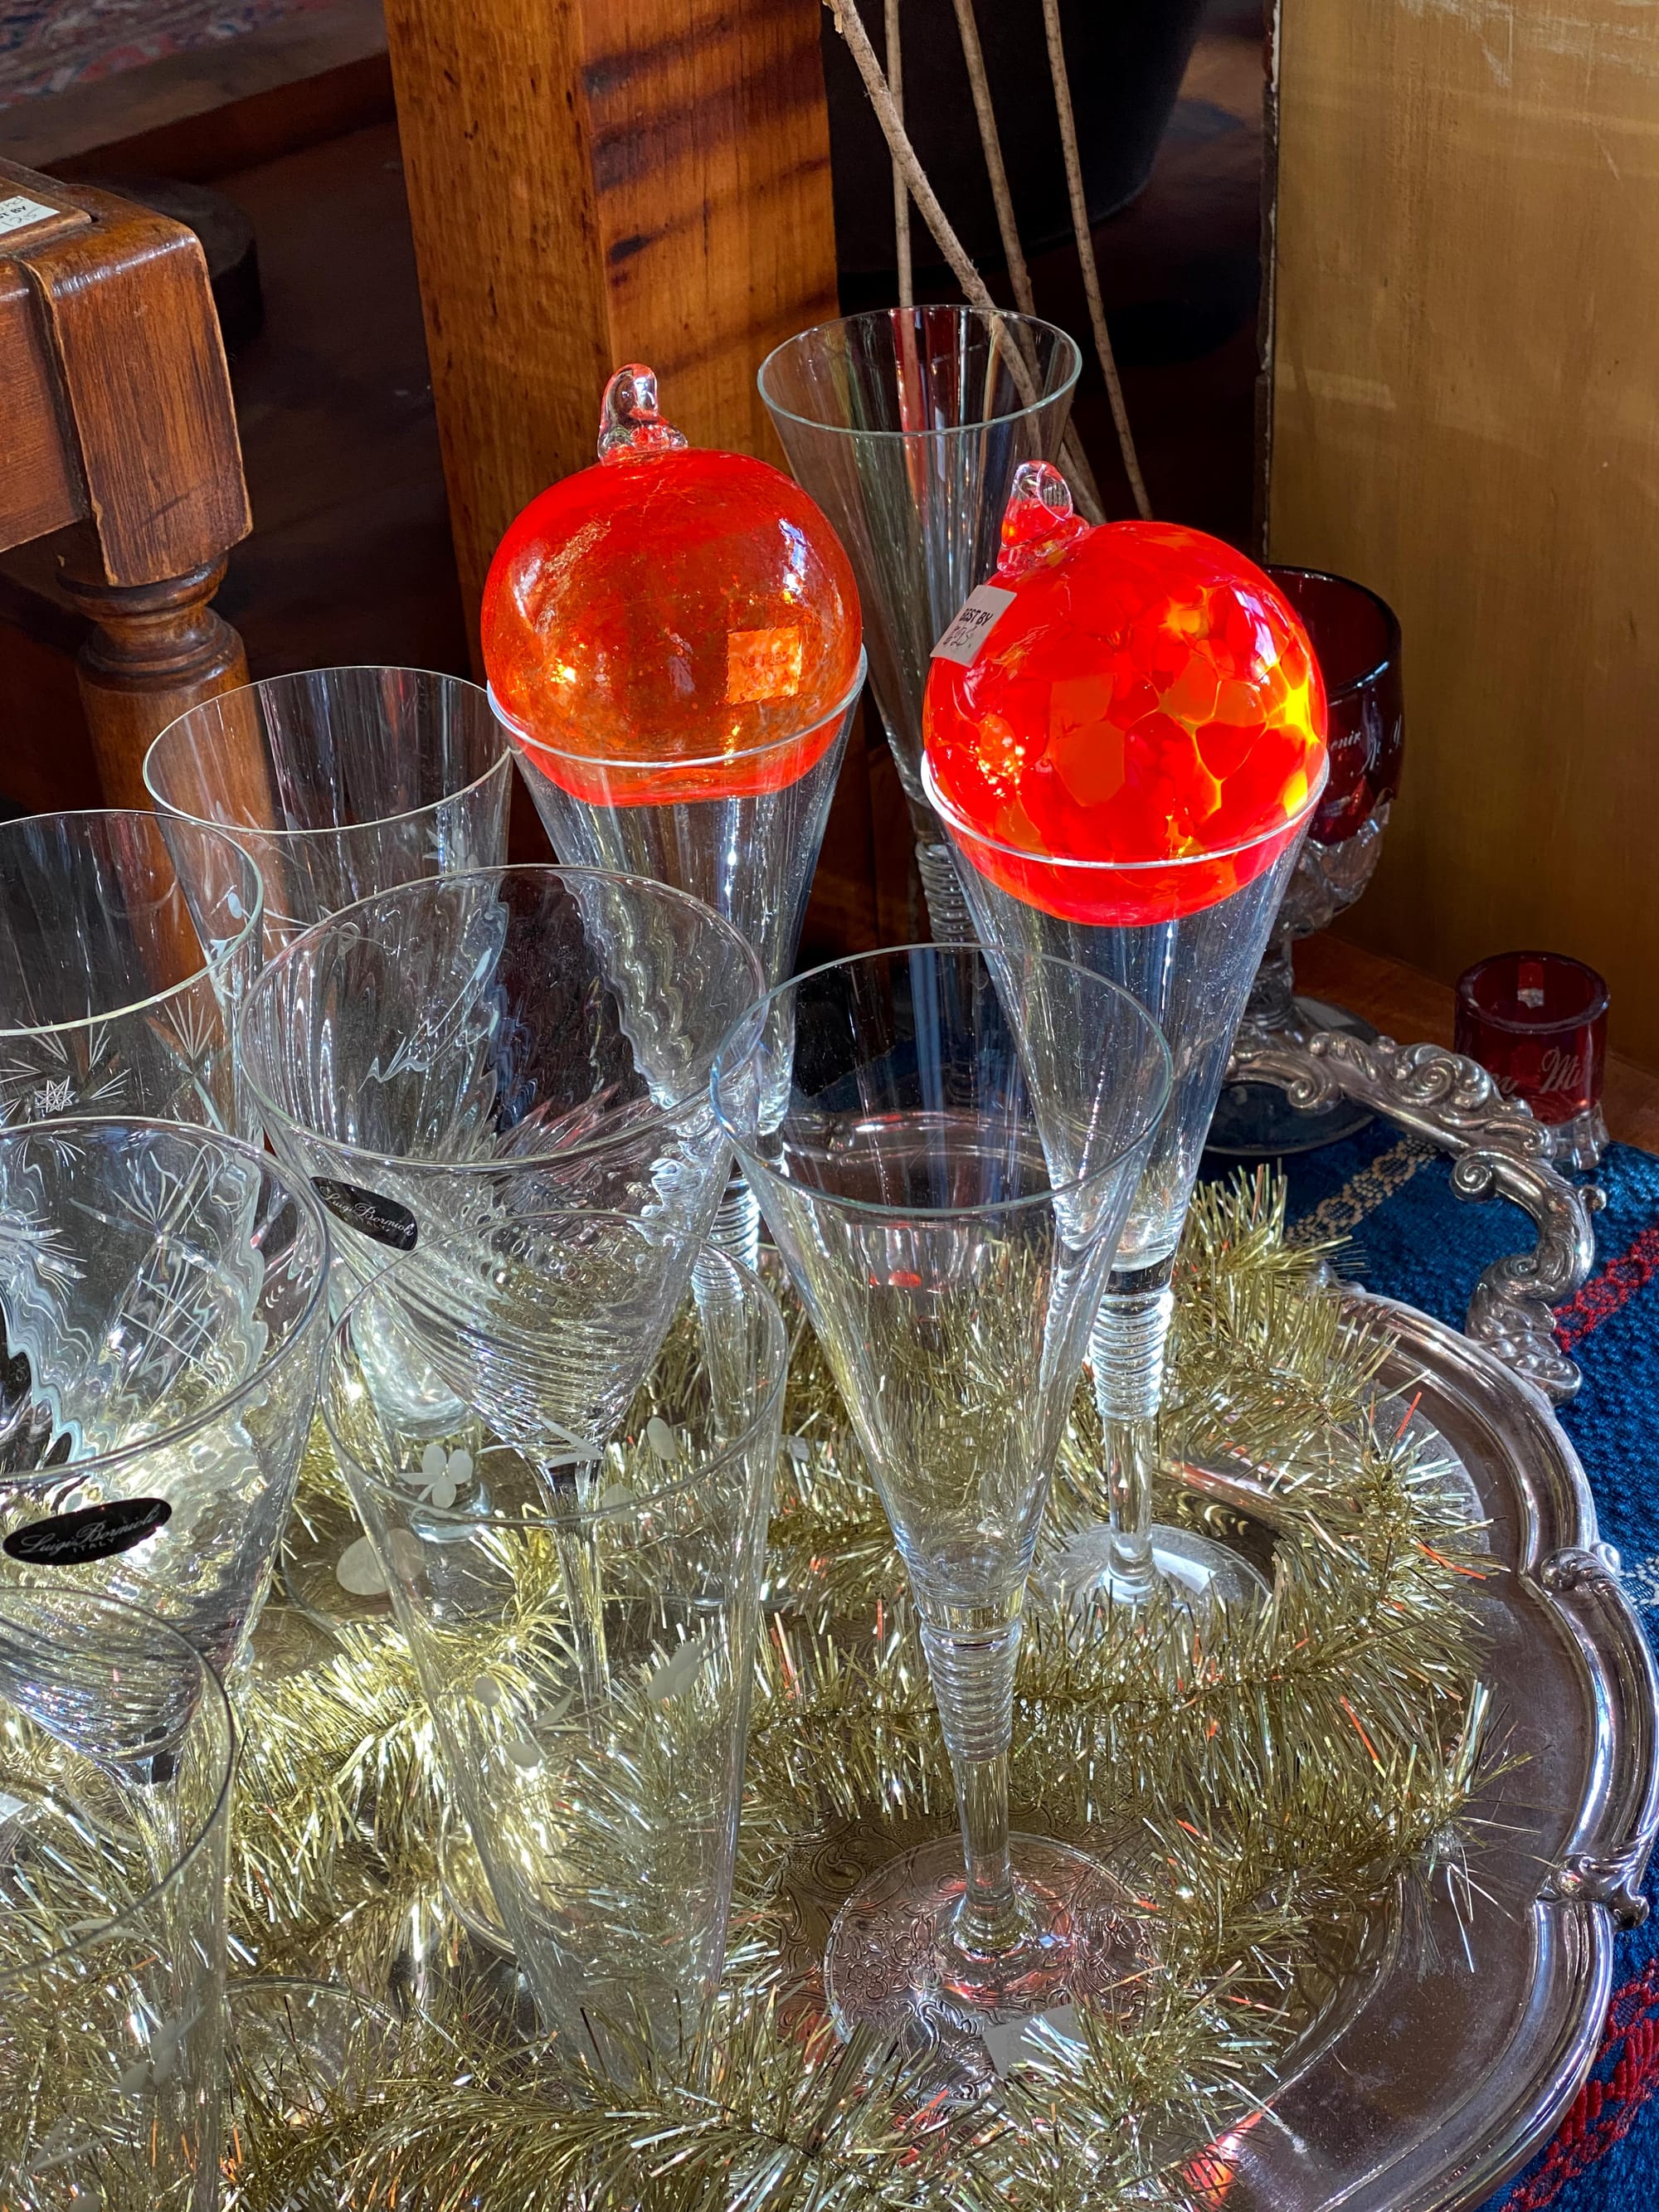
905, 427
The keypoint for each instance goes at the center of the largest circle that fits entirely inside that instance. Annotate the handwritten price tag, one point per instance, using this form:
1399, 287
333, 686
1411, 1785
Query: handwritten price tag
972, 623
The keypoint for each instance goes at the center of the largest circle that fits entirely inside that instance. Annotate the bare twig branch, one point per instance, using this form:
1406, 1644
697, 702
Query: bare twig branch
1086, 255
1073, 459
901, 197
975, 290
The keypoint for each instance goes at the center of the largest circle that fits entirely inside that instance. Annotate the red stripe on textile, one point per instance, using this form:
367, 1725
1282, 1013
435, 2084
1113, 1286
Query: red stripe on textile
1616, 1283
1603, 2112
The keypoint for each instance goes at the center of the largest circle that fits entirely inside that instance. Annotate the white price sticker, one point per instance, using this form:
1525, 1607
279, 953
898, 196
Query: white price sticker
972, 623
19, 213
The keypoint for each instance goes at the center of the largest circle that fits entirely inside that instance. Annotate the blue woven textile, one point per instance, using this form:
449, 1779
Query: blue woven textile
1411, 1238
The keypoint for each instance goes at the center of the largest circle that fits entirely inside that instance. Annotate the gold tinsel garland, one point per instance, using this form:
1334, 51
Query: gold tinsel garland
1271, 1785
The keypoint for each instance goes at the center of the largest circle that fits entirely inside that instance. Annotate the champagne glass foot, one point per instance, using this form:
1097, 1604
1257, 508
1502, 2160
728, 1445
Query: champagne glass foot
895, 1959
1187, 1570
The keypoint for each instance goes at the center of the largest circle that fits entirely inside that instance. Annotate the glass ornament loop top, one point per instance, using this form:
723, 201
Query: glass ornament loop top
1128, 724
1039, 521
671, 624
629, 420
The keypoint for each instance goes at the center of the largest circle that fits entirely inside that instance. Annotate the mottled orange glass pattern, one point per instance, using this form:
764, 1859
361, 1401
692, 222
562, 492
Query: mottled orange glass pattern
670, 624
1147, 697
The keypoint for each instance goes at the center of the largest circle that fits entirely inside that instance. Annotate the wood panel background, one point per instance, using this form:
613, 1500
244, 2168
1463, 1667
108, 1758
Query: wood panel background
1465, 414
592, 183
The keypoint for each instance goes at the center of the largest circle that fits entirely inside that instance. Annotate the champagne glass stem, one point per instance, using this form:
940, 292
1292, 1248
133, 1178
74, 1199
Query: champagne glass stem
947, 910
736, 1230
576, 1546
972, 1664
1127, 1348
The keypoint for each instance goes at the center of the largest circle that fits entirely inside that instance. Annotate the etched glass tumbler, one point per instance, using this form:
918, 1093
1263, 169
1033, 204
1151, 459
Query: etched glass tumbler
947, 1195
585, 1637
460, 1064
338, 782
163, 1297
123, 960
116, 1755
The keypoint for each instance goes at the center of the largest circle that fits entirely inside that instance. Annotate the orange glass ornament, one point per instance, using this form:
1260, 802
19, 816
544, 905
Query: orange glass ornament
1128, 723
670, 625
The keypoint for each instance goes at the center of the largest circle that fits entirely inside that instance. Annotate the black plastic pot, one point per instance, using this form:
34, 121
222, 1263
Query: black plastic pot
1126, 60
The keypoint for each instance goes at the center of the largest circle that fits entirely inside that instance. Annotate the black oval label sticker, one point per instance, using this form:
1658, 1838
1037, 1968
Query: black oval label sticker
367, 1213
95, 1532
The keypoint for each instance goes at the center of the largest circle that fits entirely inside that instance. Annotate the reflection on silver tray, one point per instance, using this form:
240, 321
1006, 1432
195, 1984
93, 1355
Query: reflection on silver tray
1455, 2054
1464, 2060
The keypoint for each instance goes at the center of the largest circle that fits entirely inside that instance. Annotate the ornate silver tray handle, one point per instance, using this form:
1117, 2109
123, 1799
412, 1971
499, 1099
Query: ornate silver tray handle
1497, 1151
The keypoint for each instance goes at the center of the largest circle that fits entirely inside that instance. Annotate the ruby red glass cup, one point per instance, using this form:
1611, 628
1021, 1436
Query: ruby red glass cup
1356, 639
1537, 1022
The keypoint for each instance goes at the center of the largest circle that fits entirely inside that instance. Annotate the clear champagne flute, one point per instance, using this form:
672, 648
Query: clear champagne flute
946, 1188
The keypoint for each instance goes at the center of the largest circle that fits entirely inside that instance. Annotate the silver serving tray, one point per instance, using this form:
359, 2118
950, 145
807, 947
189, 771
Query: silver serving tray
1449, 2066
1467, 2049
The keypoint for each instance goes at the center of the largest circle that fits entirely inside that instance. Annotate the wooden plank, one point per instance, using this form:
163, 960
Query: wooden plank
124, 305
195, 115
1462, 416
255, 127
39, 489
590, 185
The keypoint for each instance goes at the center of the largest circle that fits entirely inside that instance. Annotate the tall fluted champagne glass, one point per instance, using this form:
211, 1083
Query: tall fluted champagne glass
905, 427
1193, 972
1125, 741
947, 1188
672, 638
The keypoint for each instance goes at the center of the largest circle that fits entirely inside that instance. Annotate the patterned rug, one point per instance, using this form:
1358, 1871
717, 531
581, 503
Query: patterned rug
46, 46
1412, 1239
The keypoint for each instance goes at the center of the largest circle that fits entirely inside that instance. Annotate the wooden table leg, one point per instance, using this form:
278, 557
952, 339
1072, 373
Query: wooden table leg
155, 651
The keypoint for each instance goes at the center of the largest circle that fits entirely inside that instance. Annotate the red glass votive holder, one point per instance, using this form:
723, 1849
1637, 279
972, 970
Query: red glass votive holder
1537, 1022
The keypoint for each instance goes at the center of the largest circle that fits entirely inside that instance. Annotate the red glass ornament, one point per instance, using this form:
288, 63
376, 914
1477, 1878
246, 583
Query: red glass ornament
670, 624
1138, 727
